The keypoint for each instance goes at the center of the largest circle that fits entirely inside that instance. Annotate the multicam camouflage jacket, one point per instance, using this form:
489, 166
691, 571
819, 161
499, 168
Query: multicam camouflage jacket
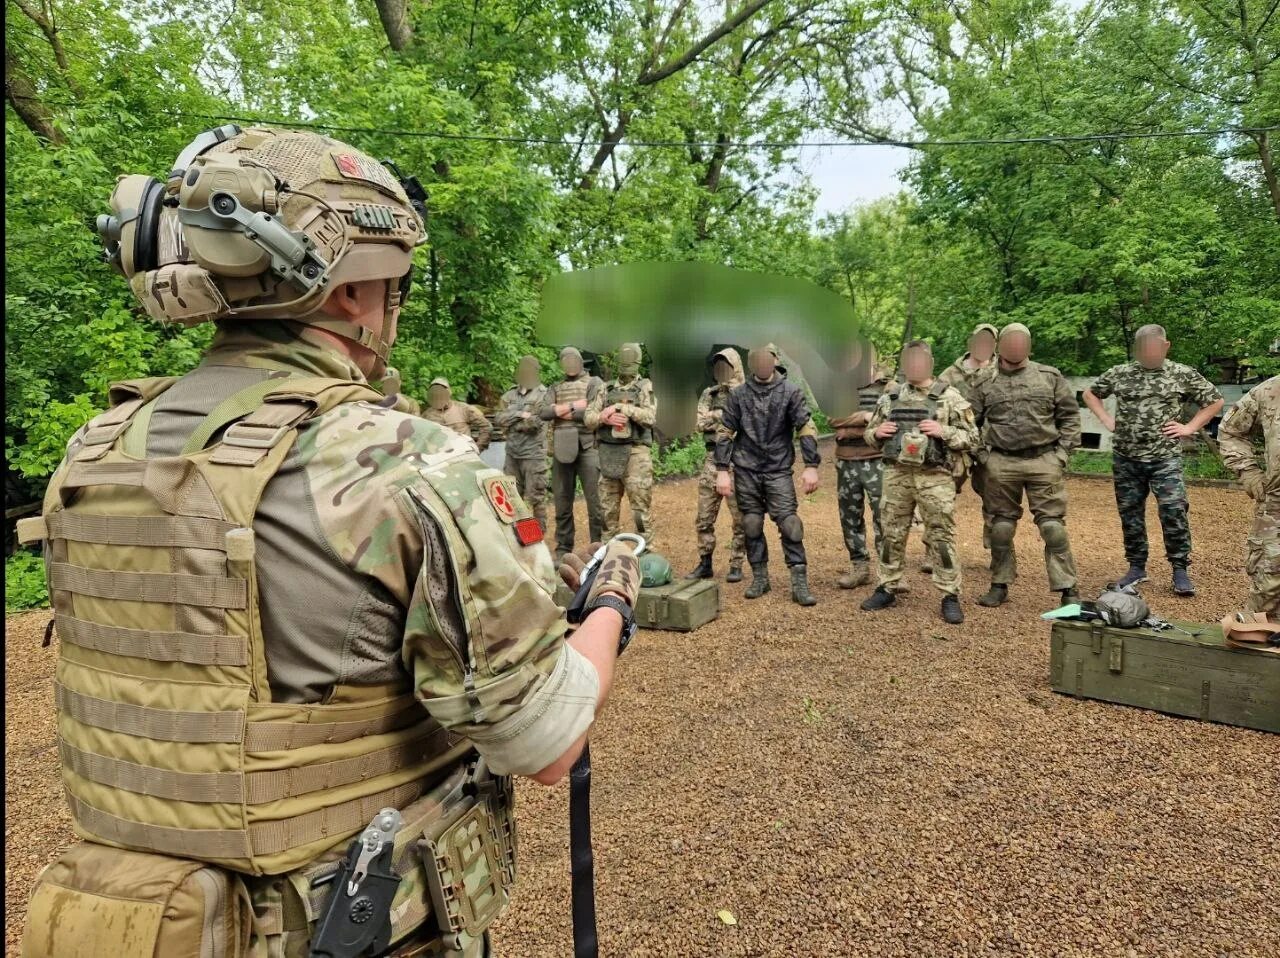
1256, 415
1146, 399
964, 377
711, 403
389, 554
954, 414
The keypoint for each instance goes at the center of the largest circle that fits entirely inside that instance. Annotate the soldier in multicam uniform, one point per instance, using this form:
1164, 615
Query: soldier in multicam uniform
975, 366
1147, 451
918, 427
858, 478
282, 606
764, 416
623, 413
462, 418
1256, 416
526, 432
1030, 423
573, 449
726, 369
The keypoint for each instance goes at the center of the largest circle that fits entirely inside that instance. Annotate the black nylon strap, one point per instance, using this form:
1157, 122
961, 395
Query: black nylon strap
581, 860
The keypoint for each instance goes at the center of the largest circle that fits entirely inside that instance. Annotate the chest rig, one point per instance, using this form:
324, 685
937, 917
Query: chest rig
616, 393
168, 737
908, 412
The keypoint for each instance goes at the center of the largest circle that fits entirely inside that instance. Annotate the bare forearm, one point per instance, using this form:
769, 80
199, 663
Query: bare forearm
1095, 405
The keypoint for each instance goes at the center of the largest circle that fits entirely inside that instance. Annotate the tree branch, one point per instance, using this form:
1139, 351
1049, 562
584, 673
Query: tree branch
22, 96
394, 15
673, 66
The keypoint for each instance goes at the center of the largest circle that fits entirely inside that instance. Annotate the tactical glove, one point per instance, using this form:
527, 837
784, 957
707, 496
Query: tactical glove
1252, 482
619, 571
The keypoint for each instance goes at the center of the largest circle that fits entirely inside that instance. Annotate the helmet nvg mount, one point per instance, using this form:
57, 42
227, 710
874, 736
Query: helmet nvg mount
264, 223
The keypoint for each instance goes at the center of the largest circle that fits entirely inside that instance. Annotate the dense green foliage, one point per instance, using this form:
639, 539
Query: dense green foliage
1085, 241
24, 582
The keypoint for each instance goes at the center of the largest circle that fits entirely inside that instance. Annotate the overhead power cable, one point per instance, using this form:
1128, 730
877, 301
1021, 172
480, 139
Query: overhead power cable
740, 145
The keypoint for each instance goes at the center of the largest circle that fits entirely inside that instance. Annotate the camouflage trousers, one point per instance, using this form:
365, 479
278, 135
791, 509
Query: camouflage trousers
858, 481
709, 510
934, 492
1042, 479
1134, 480
1262, 562
531, 482
637, 484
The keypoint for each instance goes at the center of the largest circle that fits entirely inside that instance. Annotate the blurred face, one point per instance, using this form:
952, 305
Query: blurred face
526, 375
917, 365
722, 371
438, 396
763, 364
1151, 351
570, 364
1015, 347
982, 346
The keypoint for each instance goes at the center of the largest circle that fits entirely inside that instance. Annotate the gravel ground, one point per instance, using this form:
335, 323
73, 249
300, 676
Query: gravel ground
848, 783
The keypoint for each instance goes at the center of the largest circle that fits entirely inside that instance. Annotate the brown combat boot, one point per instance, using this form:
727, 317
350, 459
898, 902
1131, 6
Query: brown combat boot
858, 574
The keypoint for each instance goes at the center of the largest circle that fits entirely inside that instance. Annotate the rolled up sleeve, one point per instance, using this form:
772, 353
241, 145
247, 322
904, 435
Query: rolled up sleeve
484, 638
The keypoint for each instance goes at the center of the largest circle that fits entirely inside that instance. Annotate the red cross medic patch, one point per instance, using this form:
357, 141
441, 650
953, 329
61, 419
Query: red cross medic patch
507, 505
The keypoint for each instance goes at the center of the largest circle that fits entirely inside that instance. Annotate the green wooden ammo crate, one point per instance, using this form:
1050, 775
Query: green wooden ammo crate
1167, 671
681, 606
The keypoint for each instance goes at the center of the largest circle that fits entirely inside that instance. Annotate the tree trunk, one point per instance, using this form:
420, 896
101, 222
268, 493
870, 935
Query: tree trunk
394, 15
21, 94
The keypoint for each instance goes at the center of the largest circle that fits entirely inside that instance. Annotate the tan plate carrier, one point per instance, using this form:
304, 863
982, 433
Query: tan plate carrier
168, 737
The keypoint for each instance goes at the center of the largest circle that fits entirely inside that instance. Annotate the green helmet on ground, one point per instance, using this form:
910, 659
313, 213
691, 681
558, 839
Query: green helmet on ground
654, 570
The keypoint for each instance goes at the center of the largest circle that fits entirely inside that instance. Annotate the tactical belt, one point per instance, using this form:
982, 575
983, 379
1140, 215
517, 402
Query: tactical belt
1031, 452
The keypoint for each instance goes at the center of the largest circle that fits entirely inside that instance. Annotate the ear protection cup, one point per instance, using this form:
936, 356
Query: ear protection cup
132, 234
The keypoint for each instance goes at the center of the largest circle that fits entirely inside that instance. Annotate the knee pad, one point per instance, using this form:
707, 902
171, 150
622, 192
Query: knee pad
1002, 531
792, 528
1054, 534
753, 525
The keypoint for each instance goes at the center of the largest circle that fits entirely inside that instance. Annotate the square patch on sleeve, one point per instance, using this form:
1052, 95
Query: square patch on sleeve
504, 499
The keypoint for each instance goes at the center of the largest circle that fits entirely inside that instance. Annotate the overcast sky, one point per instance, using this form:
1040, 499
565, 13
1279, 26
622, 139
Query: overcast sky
848, 175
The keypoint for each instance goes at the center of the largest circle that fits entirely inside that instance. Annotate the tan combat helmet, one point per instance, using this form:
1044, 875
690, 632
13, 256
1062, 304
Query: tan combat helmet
263, 223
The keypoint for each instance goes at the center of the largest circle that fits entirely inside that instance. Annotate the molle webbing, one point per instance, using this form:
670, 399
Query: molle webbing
176, 588
188, 532
166, 725
154, 644
283, 736
251, 788
260, 839
165, 711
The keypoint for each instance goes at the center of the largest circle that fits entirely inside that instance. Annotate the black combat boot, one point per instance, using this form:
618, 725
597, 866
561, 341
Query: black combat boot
998, 594
703, 571
800, 593
735, 571
882, 598
951, 613
1070, 596
1182, 584
759, 582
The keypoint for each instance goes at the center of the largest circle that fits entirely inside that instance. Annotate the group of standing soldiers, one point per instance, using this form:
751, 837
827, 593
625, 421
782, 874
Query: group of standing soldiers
1009, 425
994, 418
